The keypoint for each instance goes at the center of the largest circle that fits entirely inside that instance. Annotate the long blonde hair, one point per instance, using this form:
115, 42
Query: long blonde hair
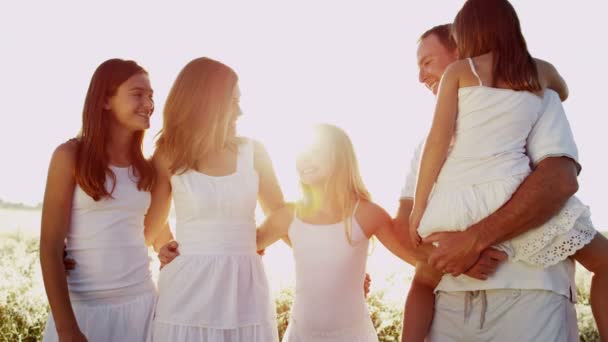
196, 114
345, 186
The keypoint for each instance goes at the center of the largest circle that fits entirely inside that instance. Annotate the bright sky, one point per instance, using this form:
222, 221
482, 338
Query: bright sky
351, 63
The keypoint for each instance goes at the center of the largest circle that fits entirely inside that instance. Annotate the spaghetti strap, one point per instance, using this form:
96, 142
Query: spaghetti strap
352, 217
356, 207
474, 71
245, 156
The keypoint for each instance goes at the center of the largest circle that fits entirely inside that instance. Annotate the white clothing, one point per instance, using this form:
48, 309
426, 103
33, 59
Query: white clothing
503, 315
486, 164
111, 287
329, 302
550, 136
216, 289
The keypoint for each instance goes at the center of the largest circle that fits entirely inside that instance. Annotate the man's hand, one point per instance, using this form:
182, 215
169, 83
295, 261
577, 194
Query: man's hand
486, 265
167, 253
456, 252
366, 283
68, 263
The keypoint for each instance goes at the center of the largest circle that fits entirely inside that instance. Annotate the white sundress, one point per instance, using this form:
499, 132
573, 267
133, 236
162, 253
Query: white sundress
486, 163
111, 288
329, 303
216, 290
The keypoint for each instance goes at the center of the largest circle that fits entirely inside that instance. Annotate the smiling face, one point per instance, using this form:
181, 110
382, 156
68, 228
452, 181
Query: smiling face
132, 105
315, 164
433, 58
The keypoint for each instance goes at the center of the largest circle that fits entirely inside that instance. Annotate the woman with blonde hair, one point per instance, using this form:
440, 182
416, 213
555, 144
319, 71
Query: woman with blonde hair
216, 289
329, 230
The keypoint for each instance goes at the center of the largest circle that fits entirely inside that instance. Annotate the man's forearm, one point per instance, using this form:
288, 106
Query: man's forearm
539, 197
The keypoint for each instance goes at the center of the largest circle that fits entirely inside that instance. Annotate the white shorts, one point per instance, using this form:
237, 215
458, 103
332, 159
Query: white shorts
503, 315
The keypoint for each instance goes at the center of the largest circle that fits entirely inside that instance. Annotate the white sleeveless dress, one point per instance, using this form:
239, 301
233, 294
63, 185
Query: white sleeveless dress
329, 303
486, 163
216, 290
111, 287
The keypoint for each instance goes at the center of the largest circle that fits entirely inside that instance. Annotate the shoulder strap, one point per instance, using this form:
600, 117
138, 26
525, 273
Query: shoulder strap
352, 217
245, 158
474, 71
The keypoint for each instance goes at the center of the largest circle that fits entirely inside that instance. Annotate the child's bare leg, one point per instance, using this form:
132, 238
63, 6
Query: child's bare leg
594, 257
420, 303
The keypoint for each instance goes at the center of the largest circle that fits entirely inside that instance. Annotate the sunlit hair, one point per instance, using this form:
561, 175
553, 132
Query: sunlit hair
197, 114
345, 185
483, 26
91, 161
443, 33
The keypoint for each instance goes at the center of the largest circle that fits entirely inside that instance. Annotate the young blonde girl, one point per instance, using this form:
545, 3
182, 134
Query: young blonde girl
329, 230
474, 156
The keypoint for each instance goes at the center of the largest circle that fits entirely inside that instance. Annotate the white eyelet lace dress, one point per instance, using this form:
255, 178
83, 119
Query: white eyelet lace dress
487, 163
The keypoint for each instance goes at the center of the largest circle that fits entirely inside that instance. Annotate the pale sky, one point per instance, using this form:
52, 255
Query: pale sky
351, 63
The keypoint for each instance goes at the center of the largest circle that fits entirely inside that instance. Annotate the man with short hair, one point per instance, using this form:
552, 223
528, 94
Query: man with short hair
515, 300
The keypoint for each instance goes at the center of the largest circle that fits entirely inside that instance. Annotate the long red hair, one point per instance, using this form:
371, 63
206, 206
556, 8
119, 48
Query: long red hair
483, 26
92, 166
196, 114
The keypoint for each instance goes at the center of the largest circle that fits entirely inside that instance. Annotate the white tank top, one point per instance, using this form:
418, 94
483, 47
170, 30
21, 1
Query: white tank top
329, 277
216, 214
106, 237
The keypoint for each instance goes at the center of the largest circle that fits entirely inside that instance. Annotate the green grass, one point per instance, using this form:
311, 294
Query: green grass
24, 308
23, 305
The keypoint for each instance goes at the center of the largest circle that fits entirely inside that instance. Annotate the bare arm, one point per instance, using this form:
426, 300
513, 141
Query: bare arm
387, 236
270, 194
56, 210
275, 227
546, 190
375, 221
163, 238
550, 78
155, 222
401, 228
536, 200
437, 144
484, 264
